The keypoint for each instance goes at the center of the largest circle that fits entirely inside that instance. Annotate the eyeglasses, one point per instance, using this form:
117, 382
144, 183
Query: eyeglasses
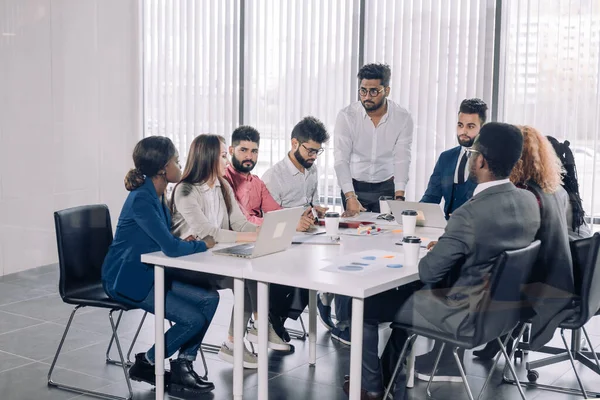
312, 152
373, 92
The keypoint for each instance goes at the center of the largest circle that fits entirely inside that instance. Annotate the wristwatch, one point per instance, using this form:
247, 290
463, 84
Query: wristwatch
400, 198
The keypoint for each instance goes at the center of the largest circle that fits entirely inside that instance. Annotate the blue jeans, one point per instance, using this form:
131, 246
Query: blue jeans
191, 308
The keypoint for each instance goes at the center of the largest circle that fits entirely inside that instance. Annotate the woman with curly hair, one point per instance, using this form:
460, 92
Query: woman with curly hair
540, 171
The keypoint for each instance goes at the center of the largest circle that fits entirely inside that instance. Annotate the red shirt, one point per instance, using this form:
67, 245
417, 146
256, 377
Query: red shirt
251, 194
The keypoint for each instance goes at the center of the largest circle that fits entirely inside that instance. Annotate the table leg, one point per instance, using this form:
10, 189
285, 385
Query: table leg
410, 368
356, 336
263, 340
159, 330
238, 338
312, 327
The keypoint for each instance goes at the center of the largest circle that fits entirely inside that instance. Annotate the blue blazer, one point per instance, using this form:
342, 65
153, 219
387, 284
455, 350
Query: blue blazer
143, 227
441, 183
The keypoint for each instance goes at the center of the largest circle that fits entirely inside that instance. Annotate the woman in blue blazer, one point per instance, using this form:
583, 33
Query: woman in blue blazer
143, 227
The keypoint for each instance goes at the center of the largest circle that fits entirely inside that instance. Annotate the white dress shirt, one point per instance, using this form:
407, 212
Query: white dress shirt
370, 153
463, 150
482, 186
290, 187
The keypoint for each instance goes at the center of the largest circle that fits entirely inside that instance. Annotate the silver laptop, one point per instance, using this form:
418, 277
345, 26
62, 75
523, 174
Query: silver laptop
275, 235
430, 215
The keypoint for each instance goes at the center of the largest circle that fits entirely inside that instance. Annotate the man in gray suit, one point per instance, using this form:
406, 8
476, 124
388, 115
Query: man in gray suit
454, 273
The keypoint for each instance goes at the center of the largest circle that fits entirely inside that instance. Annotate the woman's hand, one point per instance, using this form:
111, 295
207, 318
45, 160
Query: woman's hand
209, 241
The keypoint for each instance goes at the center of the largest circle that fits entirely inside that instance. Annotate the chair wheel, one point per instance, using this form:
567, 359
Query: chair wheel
518, 355
532, 376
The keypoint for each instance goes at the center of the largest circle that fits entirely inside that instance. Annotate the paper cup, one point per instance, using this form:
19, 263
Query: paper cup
384, 207
332, 224
409, 222
411, 246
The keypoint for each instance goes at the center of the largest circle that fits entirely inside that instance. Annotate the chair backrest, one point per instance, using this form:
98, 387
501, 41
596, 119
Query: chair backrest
586, 265
501, 308
83, 236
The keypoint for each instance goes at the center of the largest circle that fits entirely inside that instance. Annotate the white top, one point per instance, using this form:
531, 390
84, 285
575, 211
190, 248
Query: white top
482, 186
463, 150
201, 211
290, 187
372, 154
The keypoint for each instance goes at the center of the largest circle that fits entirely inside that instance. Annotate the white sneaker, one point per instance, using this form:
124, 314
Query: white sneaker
226, 354
275, 342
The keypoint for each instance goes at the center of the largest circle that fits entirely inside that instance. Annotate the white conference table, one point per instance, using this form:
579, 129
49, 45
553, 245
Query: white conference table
302, 266
201, 262
299, 266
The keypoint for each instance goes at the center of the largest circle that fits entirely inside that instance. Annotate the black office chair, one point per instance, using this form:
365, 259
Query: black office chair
83, 236
499, 312
586, 268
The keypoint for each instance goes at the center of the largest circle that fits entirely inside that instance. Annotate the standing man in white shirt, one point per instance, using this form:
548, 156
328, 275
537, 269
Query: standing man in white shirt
372, 148
372, 140
293, 182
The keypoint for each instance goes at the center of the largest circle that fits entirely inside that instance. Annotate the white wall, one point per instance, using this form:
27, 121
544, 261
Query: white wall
69, 116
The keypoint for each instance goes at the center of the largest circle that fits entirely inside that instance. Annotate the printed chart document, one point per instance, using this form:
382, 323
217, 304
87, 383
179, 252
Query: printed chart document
367, 262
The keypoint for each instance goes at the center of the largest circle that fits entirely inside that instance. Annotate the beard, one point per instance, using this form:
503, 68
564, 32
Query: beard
242, 166
465, 142
306, 163
370, 105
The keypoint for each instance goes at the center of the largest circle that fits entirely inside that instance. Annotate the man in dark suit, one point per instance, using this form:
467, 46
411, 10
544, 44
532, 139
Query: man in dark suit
450, 178
455, 271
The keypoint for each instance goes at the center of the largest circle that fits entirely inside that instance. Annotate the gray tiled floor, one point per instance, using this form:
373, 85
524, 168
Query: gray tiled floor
33, 317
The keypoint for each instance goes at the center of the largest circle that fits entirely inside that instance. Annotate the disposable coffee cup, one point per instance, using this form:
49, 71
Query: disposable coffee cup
384, 207
411, 246
332, 224
409, 222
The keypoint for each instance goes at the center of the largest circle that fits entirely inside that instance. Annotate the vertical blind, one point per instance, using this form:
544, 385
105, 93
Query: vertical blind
207, 63
191, 69
549, 79
301, 59
440, 53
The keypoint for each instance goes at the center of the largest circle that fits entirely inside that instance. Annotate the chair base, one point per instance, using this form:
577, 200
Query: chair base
122, 362
559, 355
409, 343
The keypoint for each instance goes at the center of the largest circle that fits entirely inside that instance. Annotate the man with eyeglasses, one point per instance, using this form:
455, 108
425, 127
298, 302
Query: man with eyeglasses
372, 148
372, 144
293, 182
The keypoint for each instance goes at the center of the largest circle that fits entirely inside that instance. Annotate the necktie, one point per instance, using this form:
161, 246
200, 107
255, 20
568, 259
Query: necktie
461, 169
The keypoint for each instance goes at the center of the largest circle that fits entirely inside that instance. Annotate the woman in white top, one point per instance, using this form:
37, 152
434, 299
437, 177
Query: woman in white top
203, 204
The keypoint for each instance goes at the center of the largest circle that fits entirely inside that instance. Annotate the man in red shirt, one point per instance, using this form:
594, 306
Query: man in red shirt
255, 200
250, 191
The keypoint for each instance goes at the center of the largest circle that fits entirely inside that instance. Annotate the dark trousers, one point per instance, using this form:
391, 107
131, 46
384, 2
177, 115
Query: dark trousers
379, 309
368, 193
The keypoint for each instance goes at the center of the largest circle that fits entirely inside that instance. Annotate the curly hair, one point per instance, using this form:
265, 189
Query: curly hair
539, 163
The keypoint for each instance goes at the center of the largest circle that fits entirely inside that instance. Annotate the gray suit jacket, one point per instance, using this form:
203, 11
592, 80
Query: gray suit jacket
455, 272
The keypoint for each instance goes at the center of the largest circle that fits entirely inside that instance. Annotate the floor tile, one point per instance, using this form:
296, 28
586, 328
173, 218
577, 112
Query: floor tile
12, 322
40, 342
47, 308
11, 293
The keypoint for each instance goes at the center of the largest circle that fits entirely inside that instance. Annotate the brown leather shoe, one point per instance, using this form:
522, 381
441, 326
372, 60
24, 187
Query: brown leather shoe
364, 395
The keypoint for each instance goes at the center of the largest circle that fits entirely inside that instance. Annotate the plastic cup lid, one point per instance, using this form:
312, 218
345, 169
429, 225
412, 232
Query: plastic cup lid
409, 212
332, 215
411, 239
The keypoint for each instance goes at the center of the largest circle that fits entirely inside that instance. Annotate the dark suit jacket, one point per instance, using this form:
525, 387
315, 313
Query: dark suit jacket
456, 270
143, 227
441, 183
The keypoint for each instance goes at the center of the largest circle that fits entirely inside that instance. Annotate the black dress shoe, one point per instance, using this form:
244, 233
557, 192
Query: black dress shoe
184, 378
364, 395
492, 348
143, 371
